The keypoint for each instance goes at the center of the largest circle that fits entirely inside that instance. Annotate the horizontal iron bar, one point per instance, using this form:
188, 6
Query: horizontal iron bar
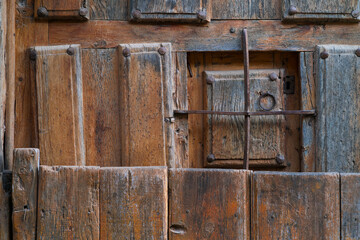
260, 113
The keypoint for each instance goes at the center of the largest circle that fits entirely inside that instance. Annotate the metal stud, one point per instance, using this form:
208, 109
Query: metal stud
210, 158
293, 10
357, 52
232, 30
33, 54
42, 12
280, 159
136, 14
126, 52
162, 50
201, 15
324, 55
210, 80
355, 13
273, 76
83, 12
70, 51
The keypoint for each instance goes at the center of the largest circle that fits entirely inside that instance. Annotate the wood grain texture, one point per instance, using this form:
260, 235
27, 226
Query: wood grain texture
101, 107
146, 105
24, 192
321, 10
350, 206
5, 205
308, 102
209, 204
3, 82
338, 119
181, 11
59, 101
66, 9
108, 9
68, 203
295, 206
263, 35
225, 134
133, 203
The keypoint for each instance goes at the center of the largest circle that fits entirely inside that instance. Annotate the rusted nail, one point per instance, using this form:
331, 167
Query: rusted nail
357, 52
42, 12
292, 10
83, 12
232, 30
33, 54
70, 51
136, 14
273, 76
201, 15
210, 80
280, 159
324, 55
162, 50
210, 158
126, 52
355, 13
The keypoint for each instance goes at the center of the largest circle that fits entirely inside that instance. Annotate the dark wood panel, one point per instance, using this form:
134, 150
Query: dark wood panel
5, 205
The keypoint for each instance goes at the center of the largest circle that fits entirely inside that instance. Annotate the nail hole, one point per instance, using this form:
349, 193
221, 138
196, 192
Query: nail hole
178, 229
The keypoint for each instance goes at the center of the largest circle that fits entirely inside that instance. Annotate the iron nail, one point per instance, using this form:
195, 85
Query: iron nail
357, 52
126, 52
162, 50
83, 11
292, 10
273, 76
70, 51
232, 30
210, 80
136, 14
210, 158
280, 159
201, 15
33, 54
355, 13
42, 12
324, 55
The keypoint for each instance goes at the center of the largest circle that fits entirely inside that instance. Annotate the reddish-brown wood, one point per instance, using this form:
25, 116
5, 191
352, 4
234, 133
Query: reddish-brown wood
65, 9
5, 205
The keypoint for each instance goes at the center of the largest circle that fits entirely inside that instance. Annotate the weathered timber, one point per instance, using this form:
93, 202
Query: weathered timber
146, 104
60, 105
68, 203
134, 203
263, 35
209, 204
350, 207
3, 82
66, 9
308, 102
337, 101
24, 192
109, 9
101, 107
5, 205
295, 206
320, 10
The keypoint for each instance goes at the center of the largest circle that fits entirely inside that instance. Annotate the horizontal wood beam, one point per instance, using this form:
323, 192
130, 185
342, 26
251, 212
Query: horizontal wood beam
271, 35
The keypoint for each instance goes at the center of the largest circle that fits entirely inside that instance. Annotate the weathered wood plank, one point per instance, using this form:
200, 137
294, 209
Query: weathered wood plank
24, 192
109, 9
68, 203
209, 204
320, 10
66, 9
5, 205
3, 82
295, 206
338, 118
59, 101
133, 203
350, 206
308, 102
213, 37
145, 84
101, 107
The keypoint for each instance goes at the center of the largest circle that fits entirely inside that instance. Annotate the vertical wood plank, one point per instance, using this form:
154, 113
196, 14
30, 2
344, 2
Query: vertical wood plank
133, 203
338, 108
101, 107
3, 30
5, 205
146, 104
308, 102
24, 192
209, 204
59, 101
295, 206
68, 203
350, 206
109, 9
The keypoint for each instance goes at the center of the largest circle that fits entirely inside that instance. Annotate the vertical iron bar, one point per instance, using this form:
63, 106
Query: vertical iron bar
245, 48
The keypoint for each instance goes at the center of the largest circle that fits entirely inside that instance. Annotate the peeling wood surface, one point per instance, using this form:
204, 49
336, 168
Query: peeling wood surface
338, 119
295, 205
133, 203
209, 204
5, 205
24, 192
68, 203
59, 101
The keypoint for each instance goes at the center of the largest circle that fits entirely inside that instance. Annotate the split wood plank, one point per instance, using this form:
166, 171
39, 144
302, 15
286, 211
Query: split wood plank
24, 192
212, 37
68, 203
101, 107
295, 206
60, 105
5, 205
134, 203
350, 206
209, 204
338, 108
146, 104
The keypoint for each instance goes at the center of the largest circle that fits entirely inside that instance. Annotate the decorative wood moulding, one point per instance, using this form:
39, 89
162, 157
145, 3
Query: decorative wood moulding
64, 9
179, 11
321, 10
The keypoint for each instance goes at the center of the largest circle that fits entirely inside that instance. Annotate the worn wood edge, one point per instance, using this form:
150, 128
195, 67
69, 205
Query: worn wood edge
3, 28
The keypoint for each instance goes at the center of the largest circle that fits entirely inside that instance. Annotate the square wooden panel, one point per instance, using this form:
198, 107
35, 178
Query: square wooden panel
181, 11
224, 143
65, 9
321, 10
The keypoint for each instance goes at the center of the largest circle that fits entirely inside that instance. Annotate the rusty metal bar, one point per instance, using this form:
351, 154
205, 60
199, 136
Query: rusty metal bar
260, 113
245, 48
